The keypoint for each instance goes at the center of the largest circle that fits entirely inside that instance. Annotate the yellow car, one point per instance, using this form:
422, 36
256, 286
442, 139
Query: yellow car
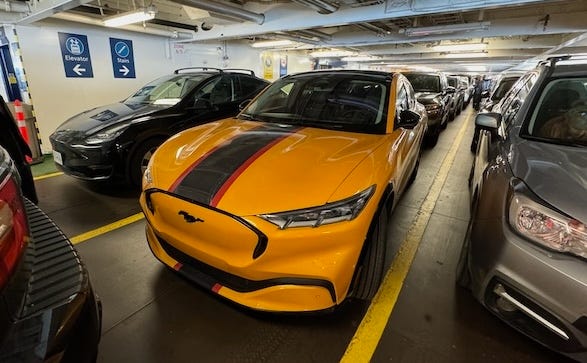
284, 208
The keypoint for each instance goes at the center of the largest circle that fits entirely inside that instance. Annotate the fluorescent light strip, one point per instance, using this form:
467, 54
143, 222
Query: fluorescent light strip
443, 29
466, 55
131, 17
331, 53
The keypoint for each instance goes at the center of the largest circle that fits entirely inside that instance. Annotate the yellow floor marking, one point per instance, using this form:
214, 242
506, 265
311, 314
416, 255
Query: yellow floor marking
107, 228
40, 177
369, 332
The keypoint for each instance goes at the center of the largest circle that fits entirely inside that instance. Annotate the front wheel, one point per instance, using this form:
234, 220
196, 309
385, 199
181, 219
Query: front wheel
372, 264
140, 159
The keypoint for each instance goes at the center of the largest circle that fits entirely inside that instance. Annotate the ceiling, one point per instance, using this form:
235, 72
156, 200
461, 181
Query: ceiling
380, 32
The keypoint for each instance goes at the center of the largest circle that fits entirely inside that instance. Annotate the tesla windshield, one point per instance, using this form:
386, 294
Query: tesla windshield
347, 102
167, 90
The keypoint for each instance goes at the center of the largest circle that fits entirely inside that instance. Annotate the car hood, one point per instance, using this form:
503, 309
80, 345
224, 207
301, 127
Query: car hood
249, 168
556, 173
427, 97
91, 121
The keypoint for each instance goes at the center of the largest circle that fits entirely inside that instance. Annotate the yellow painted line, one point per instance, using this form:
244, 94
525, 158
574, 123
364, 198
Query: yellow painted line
107, 228
369, 332
45, 176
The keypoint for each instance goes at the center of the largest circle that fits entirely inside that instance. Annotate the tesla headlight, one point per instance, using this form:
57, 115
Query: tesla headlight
344, 210
547, 227
106, 134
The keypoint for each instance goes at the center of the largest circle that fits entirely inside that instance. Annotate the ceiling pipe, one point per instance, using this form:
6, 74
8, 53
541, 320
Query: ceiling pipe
135, 28
315, 33
373, 28
323, 7
224, 9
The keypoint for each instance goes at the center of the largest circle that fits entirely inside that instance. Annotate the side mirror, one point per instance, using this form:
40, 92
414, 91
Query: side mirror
484, 94
450, 90
244, 104
202, 104
408, 119
489, 121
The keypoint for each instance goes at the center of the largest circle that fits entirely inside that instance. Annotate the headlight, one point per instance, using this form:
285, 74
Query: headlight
148, 175
344, 210
547, 227
105, 135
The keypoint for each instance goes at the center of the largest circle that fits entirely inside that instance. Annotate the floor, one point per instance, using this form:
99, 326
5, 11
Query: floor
153, 315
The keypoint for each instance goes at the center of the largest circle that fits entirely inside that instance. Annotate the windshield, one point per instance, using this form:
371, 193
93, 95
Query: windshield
452, 81
424, 82
340, 101
167, 90
560, 115
503, 87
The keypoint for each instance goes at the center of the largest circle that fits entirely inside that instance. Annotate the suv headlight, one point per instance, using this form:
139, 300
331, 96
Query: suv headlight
433, 106
344, 210
547, 227
105, 135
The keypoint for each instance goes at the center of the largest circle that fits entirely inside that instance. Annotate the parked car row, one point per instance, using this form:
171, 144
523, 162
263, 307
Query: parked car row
524, 256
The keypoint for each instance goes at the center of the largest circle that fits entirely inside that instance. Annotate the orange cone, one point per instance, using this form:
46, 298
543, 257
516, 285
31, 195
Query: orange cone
21, 124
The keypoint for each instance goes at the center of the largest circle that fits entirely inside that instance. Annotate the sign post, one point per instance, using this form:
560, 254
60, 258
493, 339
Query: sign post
76, 55
123, 61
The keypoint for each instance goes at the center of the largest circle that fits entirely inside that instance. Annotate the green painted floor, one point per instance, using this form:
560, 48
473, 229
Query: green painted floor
47, 166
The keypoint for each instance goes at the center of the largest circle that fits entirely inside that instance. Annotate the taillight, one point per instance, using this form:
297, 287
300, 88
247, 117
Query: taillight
13, 227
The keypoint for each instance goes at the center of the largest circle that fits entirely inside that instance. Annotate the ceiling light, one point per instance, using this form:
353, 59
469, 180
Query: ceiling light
458, 47
466, 55
131, 17
444, 29
360, 58
331, 53
272, 43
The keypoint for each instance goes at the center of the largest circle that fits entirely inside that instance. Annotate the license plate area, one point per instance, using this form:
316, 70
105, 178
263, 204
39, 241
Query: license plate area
57, 157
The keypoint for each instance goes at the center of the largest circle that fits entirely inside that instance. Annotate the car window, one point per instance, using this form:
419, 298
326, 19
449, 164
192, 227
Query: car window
560, 114
401, 102
167, 90
502, 88
452, 81
218, 90
516, 97
424, 82
337, 101
250, 86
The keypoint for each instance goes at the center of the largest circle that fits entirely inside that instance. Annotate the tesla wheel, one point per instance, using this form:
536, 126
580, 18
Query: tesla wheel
140, 159
373, 260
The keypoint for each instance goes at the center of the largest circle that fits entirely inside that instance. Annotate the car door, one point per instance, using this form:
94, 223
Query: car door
490, 143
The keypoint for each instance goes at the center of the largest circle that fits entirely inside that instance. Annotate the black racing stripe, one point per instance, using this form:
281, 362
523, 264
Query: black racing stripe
204, 181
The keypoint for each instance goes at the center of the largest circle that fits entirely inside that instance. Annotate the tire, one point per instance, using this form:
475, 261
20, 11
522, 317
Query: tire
372, 263
139, 159
415, 171
431, 137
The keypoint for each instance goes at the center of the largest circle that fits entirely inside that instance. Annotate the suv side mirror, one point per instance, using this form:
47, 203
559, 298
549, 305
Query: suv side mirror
408, 119
489, 121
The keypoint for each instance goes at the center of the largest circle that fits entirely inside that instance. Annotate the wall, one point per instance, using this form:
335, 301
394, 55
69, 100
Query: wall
56, 98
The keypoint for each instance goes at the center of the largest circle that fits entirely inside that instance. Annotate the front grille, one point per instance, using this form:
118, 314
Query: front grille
57, 274
208, 276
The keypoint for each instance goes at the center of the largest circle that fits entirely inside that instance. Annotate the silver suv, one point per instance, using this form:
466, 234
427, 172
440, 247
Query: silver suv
525, 252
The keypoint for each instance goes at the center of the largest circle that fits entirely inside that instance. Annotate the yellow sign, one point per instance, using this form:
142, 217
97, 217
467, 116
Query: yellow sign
268, 66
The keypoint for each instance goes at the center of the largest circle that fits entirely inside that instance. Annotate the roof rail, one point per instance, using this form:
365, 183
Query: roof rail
248, 71
202, 68
240, 70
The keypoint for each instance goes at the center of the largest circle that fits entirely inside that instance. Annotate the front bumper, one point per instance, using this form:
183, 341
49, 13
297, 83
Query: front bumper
299, 269
86, 162
48, 311
549, 288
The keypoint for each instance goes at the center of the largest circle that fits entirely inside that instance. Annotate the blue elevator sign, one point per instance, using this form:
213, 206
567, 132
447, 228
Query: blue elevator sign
76, 55
123, 60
